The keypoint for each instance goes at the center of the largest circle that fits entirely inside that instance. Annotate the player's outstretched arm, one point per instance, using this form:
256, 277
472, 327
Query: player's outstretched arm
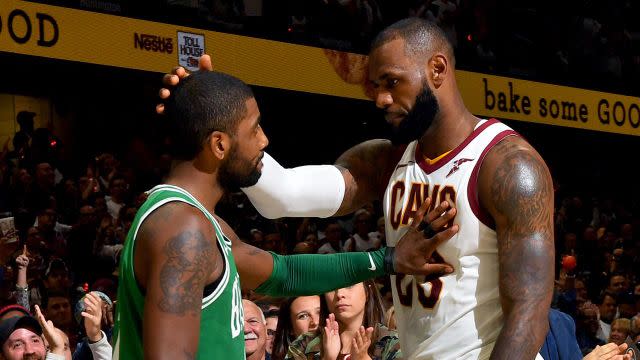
359, 176
295, 275
516, 189
176, 257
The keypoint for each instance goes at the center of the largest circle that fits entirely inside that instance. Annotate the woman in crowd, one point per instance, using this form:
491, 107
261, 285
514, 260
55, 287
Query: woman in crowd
298, 315
351, 328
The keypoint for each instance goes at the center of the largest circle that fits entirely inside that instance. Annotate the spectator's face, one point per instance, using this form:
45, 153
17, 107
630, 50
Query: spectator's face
24, 344
618, 333
333, 233
305, 314
255, 331
59, 311
617, 284
589, 321
44, 174
272, 325
362, 225
608, 309
118, 188
347, 303
58, 280
24, 177
47, 220
87, 216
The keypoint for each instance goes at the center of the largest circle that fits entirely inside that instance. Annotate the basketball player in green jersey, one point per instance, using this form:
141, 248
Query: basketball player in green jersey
181, 268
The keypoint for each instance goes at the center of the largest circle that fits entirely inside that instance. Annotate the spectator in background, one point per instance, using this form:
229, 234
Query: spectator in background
57, 308
620, 330
361, 239
271, 318
587, 328
332, 238
298, 315
92, 314
118, 188
255, 332
351, 323
607, 307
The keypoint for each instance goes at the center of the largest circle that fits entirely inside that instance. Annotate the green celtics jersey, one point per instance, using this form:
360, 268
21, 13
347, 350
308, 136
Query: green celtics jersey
222, 317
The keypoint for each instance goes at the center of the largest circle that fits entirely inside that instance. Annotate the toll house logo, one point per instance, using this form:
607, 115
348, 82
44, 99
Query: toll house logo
153, 43
190, 48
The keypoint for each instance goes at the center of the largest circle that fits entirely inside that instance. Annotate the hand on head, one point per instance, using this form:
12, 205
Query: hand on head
178, 73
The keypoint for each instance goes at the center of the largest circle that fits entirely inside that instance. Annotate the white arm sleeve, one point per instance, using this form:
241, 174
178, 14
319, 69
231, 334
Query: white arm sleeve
305, 191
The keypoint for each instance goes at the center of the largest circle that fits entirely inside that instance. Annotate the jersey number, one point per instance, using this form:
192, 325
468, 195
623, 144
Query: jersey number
405, 293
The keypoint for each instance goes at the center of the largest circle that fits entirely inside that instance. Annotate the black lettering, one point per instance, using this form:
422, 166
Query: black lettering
42, 19
601, 104
635, 123
14, 36
543, 107
554, 114
617, 105
513, 100
488, 94
584, 116
569, 111
502, 101
526, 105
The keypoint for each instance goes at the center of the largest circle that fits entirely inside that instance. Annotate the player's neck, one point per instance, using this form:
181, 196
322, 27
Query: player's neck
448, 130
203, 185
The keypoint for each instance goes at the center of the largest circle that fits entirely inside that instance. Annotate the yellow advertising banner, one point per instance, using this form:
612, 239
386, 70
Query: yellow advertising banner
84, 36
508, 98
77, 35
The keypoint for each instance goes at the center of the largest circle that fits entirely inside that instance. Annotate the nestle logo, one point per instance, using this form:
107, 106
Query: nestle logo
153, 43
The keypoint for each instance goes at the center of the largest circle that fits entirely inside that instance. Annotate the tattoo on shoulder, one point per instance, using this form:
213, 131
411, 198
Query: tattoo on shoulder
521, 191
183, 275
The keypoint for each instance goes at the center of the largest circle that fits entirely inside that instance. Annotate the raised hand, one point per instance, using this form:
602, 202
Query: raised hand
55, 340
178, 73
426, 232
331, 339
93, 316
360, 344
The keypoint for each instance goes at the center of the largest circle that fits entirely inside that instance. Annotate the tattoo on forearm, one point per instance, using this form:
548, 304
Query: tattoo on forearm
185, 272
523, 193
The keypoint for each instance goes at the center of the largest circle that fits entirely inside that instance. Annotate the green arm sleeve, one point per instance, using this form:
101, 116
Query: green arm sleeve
306, 274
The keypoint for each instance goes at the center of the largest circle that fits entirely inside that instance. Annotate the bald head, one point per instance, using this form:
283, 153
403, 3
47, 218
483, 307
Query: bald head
422, 38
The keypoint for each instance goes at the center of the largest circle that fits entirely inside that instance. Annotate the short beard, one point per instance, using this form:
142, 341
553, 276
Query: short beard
237, 173
418, 120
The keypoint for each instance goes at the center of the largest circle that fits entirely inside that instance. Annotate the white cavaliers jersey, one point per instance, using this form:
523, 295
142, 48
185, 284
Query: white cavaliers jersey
457, 316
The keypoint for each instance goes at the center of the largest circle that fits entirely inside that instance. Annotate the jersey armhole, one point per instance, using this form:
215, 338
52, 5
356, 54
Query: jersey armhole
472, 190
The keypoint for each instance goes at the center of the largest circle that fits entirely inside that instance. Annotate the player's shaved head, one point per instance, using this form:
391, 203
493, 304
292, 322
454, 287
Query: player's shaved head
422, 39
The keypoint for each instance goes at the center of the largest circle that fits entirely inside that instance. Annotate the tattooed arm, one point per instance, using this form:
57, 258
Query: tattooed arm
515, 187
175, 257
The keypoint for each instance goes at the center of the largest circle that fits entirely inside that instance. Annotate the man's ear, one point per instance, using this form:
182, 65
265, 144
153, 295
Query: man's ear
438, 69
219, 144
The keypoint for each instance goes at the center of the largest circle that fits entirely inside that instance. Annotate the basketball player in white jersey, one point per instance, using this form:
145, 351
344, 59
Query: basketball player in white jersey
495, 303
